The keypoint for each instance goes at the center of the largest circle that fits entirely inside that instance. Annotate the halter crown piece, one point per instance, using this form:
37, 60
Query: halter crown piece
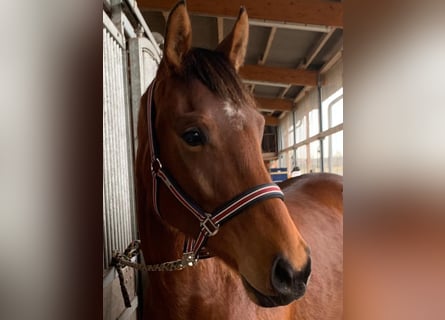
209, 222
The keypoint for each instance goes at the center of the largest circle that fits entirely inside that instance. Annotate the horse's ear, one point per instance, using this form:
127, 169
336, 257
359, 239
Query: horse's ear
234, 46
178, 36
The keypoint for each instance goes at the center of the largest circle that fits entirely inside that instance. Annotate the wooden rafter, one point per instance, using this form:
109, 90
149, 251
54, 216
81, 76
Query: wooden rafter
301, 94
316, 49
310, 56
318, 12
265, 54
279, 75
263, 59
284, 91
329, 64
273, 104
325, 68
271, 121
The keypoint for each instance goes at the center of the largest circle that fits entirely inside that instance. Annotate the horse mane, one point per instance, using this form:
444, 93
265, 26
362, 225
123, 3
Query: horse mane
215, 71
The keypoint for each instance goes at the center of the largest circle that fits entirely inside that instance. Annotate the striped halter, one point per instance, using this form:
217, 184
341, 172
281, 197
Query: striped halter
209, 222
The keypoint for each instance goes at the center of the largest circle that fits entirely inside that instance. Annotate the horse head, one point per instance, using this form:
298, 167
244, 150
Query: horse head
209, 138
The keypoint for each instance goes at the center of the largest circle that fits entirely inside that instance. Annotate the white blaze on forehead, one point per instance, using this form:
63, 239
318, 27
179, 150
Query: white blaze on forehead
236, 115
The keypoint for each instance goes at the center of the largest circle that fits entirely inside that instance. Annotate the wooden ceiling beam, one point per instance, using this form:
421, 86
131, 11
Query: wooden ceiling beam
310, 56
316, 49
263, 59
316, 12
325, 68
266, 52
331, 62
273, 104
285, 76
271, 121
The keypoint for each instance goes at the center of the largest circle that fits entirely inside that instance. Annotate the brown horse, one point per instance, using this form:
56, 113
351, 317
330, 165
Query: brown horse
199, 152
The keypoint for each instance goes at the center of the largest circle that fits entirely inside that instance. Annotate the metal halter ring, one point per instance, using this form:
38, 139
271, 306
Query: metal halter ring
208, 226
156, 165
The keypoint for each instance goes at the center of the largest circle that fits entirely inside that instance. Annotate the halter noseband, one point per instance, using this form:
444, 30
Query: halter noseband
209, 222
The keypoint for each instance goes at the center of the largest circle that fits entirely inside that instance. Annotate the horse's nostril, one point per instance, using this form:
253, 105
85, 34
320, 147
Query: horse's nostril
283, 275
286, 280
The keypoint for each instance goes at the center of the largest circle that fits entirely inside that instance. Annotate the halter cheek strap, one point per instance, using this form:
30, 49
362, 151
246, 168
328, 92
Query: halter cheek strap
209, 222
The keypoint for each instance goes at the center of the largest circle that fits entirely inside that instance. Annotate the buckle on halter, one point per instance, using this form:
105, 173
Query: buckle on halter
156, 165
208, 226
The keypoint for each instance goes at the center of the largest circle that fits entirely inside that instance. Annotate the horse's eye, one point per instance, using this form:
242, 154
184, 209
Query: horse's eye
193, 137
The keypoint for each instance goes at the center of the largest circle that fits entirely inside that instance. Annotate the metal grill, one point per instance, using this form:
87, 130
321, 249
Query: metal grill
118, 214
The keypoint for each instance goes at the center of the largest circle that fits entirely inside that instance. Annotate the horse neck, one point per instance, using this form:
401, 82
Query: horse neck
161, 242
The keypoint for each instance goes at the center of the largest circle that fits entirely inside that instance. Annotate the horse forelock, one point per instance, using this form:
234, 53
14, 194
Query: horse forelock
216, 73
213, 69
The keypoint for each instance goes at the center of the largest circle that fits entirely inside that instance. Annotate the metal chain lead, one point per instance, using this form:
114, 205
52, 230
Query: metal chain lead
188, 260
119, 260
124, 259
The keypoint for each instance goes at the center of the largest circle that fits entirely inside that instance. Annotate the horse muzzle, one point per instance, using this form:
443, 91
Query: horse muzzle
288, 284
